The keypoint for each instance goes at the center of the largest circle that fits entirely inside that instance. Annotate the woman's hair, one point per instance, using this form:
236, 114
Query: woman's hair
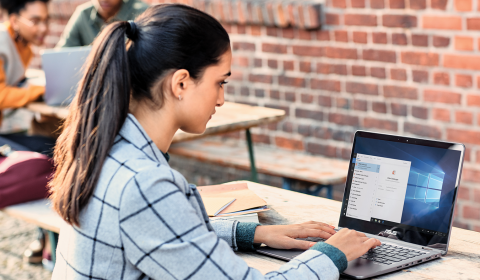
163, 39
15, 6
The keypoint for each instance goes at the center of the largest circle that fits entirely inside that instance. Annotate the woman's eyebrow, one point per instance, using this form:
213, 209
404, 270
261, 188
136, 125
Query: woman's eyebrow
228, 74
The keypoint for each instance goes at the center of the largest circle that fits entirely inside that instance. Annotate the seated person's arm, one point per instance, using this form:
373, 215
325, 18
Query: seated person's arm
15, 97
71, 34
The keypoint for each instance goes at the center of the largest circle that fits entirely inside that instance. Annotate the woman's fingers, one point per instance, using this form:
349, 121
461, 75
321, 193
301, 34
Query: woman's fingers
320, 226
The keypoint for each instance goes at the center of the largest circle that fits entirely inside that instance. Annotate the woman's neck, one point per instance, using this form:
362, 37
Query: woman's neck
158, 124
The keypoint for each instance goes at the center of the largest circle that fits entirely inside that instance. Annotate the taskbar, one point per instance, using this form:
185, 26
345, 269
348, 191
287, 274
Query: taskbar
408, 227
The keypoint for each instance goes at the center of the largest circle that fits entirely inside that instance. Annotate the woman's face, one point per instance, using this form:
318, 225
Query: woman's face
31, 23
199, 103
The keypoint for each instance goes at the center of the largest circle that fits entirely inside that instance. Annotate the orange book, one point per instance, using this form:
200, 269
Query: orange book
246, 201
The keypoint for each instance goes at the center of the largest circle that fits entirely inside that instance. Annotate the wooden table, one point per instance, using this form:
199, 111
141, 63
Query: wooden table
288, 207
230, 117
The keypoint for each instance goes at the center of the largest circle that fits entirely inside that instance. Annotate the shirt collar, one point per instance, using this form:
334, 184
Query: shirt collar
134, 133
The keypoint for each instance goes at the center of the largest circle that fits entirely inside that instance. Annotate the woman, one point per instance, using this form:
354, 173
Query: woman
130, 215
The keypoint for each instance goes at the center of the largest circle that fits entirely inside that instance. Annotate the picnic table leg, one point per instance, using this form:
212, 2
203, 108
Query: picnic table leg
287, 184
253, 168
53, 237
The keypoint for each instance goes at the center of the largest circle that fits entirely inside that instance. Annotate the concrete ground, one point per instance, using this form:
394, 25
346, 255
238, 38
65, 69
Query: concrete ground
15, 236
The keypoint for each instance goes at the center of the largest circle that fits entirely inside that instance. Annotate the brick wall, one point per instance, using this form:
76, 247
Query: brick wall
408, 67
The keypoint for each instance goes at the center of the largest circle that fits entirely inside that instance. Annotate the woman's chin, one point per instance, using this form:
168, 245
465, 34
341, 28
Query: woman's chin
197, 130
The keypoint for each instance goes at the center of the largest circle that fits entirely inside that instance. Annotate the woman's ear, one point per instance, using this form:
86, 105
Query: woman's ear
13, 19
180, 83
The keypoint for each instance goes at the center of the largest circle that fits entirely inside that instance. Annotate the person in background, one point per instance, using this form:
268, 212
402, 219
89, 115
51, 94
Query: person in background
90, 18
26, 25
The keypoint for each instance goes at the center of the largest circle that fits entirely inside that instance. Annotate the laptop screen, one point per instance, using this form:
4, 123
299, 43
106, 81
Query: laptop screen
402, 188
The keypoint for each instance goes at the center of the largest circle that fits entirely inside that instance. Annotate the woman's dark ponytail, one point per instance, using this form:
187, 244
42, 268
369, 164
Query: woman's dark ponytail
164, 38
96, 115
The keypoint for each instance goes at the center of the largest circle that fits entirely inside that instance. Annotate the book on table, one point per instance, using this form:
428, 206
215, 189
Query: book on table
231, 200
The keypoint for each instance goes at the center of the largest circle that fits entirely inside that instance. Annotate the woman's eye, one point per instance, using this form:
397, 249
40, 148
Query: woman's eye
223, 83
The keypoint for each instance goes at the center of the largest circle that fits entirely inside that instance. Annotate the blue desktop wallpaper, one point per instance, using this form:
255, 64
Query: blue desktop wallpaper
431, 182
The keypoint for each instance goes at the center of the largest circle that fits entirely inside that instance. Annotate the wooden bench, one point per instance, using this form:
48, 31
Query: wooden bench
41, 214
289, 165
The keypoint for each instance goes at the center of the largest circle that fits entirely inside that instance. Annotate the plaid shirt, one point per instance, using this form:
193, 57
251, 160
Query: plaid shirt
144, 221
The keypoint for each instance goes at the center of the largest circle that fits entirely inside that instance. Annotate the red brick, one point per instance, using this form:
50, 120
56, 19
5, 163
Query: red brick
360, 19
399, 39
418, 4
473, 23
305, 34
422, 130
288, 65
398, 74
359, 70
400, 92
380, 124
323, 35
329, 85
289, 144
369, 89
267, 79
397, 4
440, 114
476, 197
442, 22
341, 36
290, 96
379, 107
325, 68
380, 55
463, 192
272, 63
261, 138
471, 62
398, 109
255, 30
464, 136
287, 127
464, 117
420, 112
360, 37
420, 58
420, 40
306, 98
441, 78
243, 46
325, 101
273, 31
309, 114
274, 94
291, 81
339, 3
324, 150
342, 103
463, 5
274, 48
473, 100
341, 53
471, 212
442, 96
305, 66
439, 4
343, 119
360, 105
308, 50
463, 81
441, 42
244, 91
403, 21
378, 72
377, 4
379, 37
463, 43
288, 33
257, 62
357, 3
420, 76
332, 19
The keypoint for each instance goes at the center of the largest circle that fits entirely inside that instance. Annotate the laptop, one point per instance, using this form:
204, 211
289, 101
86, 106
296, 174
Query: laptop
402, 191
63, 72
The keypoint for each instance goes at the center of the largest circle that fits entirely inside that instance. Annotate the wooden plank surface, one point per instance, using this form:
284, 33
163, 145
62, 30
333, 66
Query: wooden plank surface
268, 160
228, 118
288, 207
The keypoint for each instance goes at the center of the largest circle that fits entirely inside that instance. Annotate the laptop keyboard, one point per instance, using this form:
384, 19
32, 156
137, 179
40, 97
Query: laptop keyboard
384, 254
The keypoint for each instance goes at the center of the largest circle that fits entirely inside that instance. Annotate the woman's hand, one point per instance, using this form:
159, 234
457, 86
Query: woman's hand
352, 243
283, 237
